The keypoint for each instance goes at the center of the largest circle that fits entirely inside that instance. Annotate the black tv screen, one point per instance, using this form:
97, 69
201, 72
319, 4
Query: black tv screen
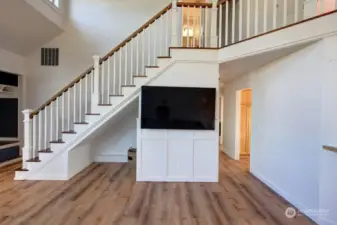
9, 118
177, 108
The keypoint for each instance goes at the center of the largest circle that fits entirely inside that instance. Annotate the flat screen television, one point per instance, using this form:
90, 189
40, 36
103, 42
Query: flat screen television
181, 108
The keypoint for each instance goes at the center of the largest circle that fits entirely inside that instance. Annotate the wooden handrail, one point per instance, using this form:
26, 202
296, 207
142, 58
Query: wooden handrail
138, 31
59, 93
221, 2
194, 4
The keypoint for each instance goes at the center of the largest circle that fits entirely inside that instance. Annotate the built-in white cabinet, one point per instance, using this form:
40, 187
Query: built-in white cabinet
177, 155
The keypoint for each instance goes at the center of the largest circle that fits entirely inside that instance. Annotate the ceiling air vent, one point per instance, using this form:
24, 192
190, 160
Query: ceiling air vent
49, 56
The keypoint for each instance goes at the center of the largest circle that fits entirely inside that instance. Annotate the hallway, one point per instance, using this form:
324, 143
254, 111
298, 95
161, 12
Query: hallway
107, 194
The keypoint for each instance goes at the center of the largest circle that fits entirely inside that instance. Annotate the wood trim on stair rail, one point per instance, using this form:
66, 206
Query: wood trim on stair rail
221, 2
138, 31
194, 4
59, 93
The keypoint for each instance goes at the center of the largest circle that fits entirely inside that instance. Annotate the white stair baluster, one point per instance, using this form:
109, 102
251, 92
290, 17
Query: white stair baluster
114, 75
46, 121
143, 52
200, 26
240, 19
86, 92
154, 29
227, 24
57, 119
174, 22
137, 54
181, 25
194, 25
265, 14
69, 109
285, 12
51, 107
131, 61
322, 6
41, 137
120, 72
126, 63
109, 80
233, 20
274, 14
75, 103
149, 47
103, 90
248, 19
81, 117
167, 31
188, 27
296, 10
161, 33
257, 17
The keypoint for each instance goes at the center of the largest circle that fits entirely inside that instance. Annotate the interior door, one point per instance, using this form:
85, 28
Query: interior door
245, 127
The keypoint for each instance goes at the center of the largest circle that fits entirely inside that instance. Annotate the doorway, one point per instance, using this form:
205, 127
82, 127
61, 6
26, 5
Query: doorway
245, 127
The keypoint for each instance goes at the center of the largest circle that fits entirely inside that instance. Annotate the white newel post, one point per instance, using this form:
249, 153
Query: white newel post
214, 24
96, 91
174, 11
28, 133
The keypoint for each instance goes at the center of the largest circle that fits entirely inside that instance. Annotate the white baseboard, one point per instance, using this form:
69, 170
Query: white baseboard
325, 221
111, 158
283, 193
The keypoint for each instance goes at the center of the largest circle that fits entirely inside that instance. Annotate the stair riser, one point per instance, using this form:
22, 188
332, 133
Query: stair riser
152, 72
114, 100
128, 90
102, 109
162, 63
68, 137
140, 81
80, 128
45, 156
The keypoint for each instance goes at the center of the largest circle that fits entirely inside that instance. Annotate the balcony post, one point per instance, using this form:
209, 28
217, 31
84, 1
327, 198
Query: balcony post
27, 138
214, 24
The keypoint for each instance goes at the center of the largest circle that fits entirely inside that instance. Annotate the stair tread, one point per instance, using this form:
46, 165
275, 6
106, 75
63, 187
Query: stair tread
81, 123
164, 57
130, 85
151, 66
139, 76
22, 170
104, 104
69, 132
116, 95
92, 114
57, 142
48, 150
36, 159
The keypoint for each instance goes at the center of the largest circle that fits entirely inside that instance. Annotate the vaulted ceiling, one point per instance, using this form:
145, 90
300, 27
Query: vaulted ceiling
23, 29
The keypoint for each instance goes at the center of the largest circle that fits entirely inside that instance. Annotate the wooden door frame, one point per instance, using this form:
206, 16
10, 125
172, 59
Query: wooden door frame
238, 123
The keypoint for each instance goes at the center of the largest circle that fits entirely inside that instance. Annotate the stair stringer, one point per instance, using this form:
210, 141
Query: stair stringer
83, 135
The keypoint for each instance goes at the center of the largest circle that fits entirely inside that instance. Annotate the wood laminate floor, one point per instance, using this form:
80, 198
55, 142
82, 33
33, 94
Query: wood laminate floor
107, 194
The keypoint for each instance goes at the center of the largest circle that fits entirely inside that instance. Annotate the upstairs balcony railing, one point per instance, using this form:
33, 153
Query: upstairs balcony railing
239, 20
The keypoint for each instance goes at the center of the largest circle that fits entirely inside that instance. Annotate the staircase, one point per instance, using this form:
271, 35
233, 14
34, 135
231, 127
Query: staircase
115, 80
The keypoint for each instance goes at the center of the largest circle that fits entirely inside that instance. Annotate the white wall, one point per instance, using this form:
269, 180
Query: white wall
115, 141
95, 27
78, 159
328, 182
11, 62
286, 123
